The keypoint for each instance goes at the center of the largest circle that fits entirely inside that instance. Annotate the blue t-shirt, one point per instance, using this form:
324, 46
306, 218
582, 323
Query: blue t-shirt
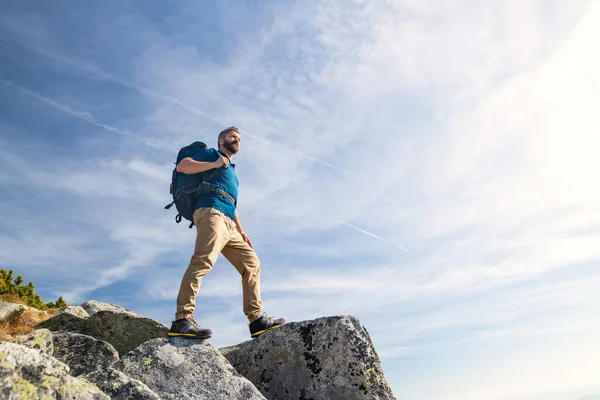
225, 180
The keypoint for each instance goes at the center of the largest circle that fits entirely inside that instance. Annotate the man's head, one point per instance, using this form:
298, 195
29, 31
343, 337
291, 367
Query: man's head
229, 140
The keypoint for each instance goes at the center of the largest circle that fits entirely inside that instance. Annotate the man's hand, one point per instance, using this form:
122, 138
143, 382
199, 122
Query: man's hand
221, 162
246, 238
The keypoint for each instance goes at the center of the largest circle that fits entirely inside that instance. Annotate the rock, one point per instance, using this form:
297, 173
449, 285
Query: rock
66, 322
124, 330
83, 354
119, 386
7, 309
182, 368
39, 339
326, 358
30, 374
93, 306
74, 310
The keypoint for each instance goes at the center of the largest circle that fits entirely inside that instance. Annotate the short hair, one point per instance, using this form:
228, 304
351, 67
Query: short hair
226, 131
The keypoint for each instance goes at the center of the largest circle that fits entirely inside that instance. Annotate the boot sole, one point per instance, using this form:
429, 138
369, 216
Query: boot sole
188, 335
255, 334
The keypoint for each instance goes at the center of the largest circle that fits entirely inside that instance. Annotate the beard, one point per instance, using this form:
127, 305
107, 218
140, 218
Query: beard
232, 146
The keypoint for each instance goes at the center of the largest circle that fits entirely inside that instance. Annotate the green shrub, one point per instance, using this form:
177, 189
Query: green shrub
11, 287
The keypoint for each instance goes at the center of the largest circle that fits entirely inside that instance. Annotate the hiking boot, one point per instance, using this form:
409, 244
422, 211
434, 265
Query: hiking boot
263, 324
188, 328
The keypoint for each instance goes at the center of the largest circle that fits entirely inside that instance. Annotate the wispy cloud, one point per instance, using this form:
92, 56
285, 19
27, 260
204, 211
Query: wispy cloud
375, 236
82, 115
426, 166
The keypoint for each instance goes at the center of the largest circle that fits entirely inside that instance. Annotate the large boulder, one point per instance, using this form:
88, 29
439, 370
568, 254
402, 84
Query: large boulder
120, 386
83, 354
181, 368
39, 339
325, 358
7, 309
122, 328
30, 374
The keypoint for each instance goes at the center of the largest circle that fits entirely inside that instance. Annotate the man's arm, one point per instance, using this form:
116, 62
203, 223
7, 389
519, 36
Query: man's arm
238, 224
190, 166
239, 228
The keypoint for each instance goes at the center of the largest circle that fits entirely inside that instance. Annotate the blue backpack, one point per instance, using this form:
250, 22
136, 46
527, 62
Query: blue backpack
187, 188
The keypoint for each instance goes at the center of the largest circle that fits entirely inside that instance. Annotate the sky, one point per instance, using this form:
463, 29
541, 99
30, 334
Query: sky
429, 167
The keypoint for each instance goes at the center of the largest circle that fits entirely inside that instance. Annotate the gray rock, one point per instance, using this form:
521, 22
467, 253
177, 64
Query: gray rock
93, 306
74, 310
30, 374
83, 354
119, 386
67, 322
186, 369
124, 330
39, 339
326, 358
7, 309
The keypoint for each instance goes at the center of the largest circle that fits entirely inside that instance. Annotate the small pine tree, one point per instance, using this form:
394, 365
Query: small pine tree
60, 303
11, 286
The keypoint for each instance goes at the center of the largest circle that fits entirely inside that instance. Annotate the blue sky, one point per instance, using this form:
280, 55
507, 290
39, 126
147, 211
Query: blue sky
429, 167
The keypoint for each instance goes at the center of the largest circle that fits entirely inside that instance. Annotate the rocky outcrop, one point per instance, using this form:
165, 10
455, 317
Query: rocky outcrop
120, 386
83, 354
186, 369
123, 329
26, 373
75, 355
326, 358
39, 339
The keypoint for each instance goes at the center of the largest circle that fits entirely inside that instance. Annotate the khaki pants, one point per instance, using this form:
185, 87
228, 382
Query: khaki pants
217, 233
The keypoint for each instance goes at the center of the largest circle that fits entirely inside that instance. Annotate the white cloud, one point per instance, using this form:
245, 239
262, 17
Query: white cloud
462, 131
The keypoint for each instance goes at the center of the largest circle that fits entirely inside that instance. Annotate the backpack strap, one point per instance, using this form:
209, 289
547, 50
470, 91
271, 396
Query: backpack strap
210, 177
206, 187
213, 174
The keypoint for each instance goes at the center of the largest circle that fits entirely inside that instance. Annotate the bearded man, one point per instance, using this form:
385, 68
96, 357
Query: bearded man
218, 230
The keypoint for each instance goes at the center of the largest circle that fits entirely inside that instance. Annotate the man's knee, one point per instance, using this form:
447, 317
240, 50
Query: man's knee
252, 268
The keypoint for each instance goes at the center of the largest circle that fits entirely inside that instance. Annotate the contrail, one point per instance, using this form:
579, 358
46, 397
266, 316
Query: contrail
148, 92
375, 236
205, 115
519, 304
91, 69
84, 116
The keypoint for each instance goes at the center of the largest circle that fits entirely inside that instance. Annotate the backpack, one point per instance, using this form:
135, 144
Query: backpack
187, 188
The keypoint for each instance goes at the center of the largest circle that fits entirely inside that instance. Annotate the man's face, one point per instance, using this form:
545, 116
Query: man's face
231, 142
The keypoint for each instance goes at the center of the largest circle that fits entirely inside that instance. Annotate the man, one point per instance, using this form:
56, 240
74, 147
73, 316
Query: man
219, 231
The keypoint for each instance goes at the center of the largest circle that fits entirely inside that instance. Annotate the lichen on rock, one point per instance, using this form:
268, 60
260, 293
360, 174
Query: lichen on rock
26, 373
39, 339
83, 354
325, 358
186, 369
120, 386
124, 330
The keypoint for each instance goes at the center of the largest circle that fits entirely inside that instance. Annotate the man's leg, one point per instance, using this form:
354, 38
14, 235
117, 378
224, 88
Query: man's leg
244, 259
211, 236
